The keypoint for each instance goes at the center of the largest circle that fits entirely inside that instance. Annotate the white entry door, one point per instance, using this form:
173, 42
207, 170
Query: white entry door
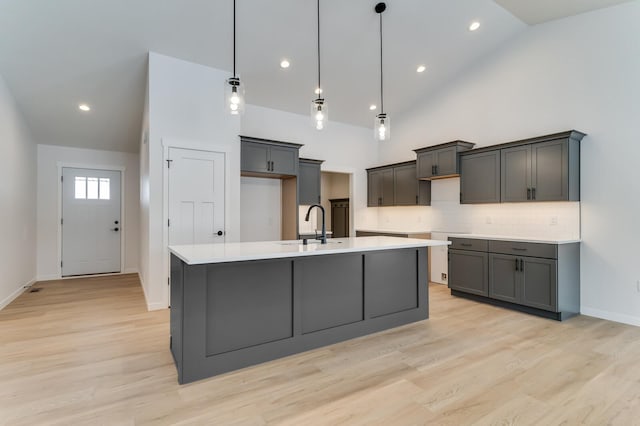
196, 197
91, 223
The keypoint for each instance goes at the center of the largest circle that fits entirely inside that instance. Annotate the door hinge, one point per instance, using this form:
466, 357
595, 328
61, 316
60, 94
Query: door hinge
61, 221
168, 222
168, 280
61, 178
61, 264
169, 164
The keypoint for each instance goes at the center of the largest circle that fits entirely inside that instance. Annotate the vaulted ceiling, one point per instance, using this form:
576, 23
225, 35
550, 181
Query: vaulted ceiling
57, 54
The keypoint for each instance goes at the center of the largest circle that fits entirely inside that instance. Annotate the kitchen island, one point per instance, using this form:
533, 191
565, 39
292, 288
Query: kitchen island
240, 304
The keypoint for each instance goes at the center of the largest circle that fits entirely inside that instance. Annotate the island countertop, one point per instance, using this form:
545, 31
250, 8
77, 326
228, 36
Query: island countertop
235, 252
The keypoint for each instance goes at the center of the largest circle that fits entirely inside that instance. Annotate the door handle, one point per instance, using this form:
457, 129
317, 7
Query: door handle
115, 221
220, 233
115, 229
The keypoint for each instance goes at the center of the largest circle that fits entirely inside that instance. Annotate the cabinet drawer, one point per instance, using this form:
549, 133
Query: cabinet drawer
468, 244
519, 248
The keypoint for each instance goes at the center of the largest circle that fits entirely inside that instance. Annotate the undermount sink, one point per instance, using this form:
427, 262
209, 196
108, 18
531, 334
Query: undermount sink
309, 242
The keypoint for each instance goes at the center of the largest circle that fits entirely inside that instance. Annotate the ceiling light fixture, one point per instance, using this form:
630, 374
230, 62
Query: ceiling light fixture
319, 108
474, 26
372, 107
382, 126
284, 64
233, 88
421, 68
84, 107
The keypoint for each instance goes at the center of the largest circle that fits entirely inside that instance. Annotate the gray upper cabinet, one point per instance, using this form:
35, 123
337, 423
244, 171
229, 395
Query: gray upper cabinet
542, 169
440, 161
397, 185
480, 177
266, 158
309, 178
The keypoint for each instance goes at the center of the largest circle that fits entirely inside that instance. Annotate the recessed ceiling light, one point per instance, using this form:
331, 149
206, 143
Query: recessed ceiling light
284, 64
421, 68
474, 26
318, 91
372, 107
84, 107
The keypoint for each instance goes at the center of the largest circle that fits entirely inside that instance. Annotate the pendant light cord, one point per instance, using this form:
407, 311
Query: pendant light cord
319, 86
381, 73
234, 38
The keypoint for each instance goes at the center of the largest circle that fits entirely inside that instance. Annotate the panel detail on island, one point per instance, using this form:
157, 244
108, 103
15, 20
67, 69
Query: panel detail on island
230, 314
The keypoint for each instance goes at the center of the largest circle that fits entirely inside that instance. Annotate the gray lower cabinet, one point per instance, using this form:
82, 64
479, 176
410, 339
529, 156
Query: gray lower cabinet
468, 272
226, 316
397, 185
542, 279
309, 181
480, 177
266, 158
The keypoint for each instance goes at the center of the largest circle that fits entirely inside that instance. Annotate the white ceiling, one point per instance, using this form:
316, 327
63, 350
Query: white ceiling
539, 11
56, 54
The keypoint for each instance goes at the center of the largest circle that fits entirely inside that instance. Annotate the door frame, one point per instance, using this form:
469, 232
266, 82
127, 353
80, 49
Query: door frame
352, 173
193, 145
63, 165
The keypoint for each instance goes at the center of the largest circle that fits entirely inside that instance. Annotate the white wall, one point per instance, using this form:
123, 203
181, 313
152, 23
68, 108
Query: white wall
580, 72
49, 156
186, 109
17, 200
260, 209
344, 148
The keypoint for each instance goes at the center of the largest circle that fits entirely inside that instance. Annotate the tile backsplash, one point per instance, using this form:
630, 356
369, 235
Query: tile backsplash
552, 220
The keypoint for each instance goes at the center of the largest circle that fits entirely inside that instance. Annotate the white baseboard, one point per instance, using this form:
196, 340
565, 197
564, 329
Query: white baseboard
131, 271
13, 296
48, 277
611, 316
151, 306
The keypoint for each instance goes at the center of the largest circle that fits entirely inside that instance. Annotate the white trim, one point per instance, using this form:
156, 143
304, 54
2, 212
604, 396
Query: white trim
610, 316
156, 306
13, 296
352, 184
123, 224
128, 271
197, 145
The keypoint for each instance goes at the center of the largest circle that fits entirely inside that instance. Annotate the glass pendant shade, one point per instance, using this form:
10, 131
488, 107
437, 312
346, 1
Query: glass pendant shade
319, 113
382, 127
234, 96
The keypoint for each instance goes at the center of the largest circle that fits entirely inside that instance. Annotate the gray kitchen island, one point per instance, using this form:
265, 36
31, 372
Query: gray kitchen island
238, 304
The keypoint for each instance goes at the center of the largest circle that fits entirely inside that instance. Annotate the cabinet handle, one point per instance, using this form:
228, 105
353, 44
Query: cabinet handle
466, 245
433, 170
417, 201
436, 170
533, 194
272, 166
380, 201
518, 249
517, 264
521, 265
528, 193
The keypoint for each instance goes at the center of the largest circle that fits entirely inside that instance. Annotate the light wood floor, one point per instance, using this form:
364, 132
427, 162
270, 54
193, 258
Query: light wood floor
86, 351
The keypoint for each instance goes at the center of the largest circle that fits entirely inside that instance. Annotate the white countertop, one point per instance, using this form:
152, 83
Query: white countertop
235, 252
518, 239
393, 231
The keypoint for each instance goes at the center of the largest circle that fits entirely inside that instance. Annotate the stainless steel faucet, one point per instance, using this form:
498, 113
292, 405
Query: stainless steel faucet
323, 236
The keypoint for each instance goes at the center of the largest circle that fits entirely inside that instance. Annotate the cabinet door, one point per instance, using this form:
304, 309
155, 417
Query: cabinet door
374, 190
308, 183
284, 160
446, 161
387, 187
504, 277
539, 283
480, 178
550, 171
468, 272
426, 164
406, 185
254, 157
424, 193
516, 174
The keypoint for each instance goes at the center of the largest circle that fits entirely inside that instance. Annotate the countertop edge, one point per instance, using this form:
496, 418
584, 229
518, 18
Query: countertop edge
516, 239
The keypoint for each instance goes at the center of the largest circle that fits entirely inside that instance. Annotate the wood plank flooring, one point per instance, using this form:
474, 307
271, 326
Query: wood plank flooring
86, 351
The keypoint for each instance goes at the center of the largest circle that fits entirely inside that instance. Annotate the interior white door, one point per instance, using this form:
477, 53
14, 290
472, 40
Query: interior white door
91, 222
196, 197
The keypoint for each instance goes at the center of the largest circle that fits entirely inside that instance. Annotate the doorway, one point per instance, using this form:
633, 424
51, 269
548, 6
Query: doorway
335, 195
91, 222
196, 196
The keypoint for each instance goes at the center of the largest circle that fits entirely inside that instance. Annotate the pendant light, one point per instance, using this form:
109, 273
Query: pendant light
382, 126
233, 88
319, 107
